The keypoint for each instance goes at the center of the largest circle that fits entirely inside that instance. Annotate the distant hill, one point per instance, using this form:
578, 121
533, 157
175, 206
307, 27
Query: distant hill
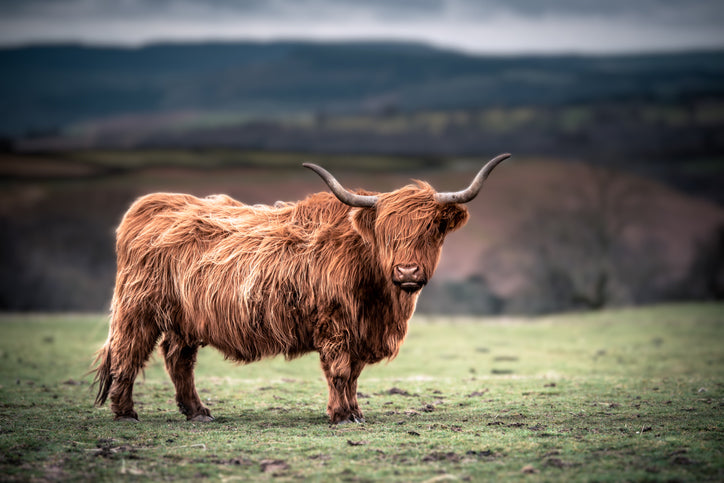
538, 234
44, 89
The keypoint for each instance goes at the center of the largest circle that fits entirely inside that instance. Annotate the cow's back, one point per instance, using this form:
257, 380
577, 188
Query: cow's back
153, 214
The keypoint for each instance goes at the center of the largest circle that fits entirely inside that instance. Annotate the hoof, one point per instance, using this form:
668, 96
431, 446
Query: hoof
126, 419
201, 418
350, 420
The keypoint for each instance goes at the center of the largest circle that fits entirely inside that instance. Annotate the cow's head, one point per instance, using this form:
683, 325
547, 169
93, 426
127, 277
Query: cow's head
407, 226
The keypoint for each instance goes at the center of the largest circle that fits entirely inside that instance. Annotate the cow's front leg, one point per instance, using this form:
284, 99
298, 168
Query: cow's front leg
180, 361
351, 391
339, 370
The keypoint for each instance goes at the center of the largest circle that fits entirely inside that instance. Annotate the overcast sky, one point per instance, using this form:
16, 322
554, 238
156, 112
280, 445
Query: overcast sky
481, 26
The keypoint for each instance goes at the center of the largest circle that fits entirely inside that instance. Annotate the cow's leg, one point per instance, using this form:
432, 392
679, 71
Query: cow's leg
351, 391
180, 361
134, 339
338, 371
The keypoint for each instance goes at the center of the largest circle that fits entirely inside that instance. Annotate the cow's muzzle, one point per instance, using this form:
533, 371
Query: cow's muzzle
409, 278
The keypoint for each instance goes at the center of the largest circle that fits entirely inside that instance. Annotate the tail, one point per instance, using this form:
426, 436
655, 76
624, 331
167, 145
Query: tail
103, 376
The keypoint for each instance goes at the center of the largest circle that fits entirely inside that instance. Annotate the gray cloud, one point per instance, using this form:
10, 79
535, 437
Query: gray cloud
474, 25
704, 10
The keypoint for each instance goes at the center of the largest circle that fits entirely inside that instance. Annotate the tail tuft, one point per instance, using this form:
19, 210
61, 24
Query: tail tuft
103, 376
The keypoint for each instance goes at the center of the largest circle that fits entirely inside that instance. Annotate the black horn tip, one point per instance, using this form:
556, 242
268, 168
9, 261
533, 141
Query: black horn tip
471, 191
499, 159
312, 166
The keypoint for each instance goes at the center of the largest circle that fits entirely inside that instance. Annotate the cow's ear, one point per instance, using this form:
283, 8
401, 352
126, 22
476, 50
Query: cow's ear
452, 217
363, 222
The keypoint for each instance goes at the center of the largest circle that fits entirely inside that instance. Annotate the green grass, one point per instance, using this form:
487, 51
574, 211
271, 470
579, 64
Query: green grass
618, 395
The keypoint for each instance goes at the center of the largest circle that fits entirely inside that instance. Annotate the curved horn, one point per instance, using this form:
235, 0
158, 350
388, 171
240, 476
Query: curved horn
346, 197
471, 191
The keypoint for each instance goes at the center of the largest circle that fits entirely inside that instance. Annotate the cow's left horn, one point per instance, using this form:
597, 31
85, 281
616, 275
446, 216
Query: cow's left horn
471, 191
346, 197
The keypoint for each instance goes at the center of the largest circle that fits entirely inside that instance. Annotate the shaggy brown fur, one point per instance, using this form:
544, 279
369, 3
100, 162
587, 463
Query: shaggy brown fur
257, 281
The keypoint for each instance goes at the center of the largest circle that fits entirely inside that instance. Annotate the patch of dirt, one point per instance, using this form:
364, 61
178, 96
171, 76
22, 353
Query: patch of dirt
440, 456
396, 391
679, 457
484, 455
357, 443
273, 466
556, 463
278, 408
105, 448
479, 393
427, 408
683, 460
506, 359
239, 461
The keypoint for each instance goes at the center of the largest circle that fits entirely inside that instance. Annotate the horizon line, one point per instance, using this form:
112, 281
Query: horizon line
118, 45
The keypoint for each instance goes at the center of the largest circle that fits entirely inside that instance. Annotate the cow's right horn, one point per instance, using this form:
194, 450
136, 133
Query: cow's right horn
471, 191
346, 197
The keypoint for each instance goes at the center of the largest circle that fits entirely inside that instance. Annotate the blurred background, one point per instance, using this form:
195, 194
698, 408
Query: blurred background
614, 112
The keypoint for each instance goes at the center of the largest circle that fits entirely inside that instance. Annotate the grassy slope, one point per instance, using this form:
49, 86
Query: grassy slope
44, 87
631, 394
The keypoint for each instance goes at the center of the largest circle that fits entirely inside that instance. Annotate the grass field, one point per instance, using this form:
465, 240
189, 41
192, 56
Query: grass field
634, 395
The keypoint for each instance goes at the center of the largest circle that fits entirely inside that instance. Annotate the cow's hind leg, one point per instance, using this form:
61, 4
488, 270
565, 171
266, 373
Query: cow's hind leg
132, 342
180, 361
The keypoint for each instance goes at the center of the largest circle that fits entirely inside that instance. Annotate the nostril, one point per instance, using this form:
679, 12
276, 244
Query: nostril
408, 270
409, 273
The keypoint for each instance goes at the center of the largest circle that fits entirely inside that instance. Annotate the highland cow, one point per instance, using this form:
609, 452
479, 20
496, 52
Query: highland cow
337, 274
